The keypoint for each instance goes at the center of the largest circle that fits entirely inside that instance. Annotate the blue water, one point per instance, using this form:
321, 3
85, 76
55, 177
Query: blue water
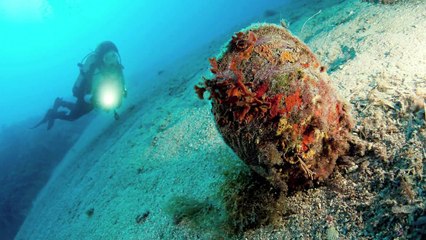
41, 42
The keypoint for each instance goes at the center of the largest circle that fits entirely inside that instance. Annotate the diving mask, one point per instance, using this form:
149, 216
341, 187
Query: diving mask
111, 58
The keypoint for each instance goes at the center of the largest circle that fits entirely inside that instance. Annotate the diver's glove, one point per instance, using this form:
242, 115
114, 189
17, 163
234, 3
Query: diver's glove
116, 116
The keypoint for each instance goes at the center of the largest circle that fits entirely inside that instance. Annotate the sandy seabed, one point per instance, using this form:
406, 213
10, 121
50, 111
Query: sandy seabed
117, 179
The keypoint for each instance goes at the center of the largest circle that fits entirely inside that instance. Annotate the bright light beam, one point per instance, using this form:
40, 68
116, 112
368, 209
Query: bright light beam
109, 95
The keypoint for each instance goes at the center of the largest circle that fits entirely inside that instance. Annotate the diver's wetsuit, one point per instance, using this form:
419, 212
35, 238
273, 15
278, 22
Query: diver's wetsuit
80, 107
77, 109
81, 88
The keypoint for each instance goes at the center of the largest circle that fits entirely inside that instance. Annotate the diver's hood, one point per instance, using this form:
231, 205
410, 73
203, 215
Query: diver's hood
111, 58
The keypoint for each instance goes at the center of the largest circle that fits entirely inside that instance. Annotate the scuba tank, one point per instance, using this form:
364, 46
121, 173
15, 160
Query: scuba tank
101, 75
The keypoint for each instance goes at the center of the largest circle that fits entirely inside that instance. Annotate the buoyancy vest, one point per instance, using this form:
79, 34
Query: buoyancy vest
89, 65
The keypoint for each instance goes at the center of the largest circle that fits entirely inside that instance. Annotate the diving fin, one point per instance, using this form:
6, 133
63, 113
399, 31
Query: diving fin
48, 118
50, 123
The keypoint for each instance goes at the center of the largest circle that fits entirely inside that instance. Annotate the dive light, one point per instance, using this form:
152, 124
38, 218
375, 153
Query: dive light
109, 95
109, 92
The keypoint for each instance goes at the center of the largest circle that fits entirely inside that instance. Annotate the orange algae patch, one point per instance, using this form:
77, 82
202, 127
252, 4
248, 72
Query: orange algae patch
293, 100
244, 44
305, 65
265, 52
239, 75
286, 57
262, 90
307, 140
275, 103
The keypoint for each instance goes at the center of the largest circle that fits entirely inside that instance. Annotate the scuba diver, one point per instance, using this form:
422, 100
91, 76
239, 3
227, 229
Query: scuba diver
100, 84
